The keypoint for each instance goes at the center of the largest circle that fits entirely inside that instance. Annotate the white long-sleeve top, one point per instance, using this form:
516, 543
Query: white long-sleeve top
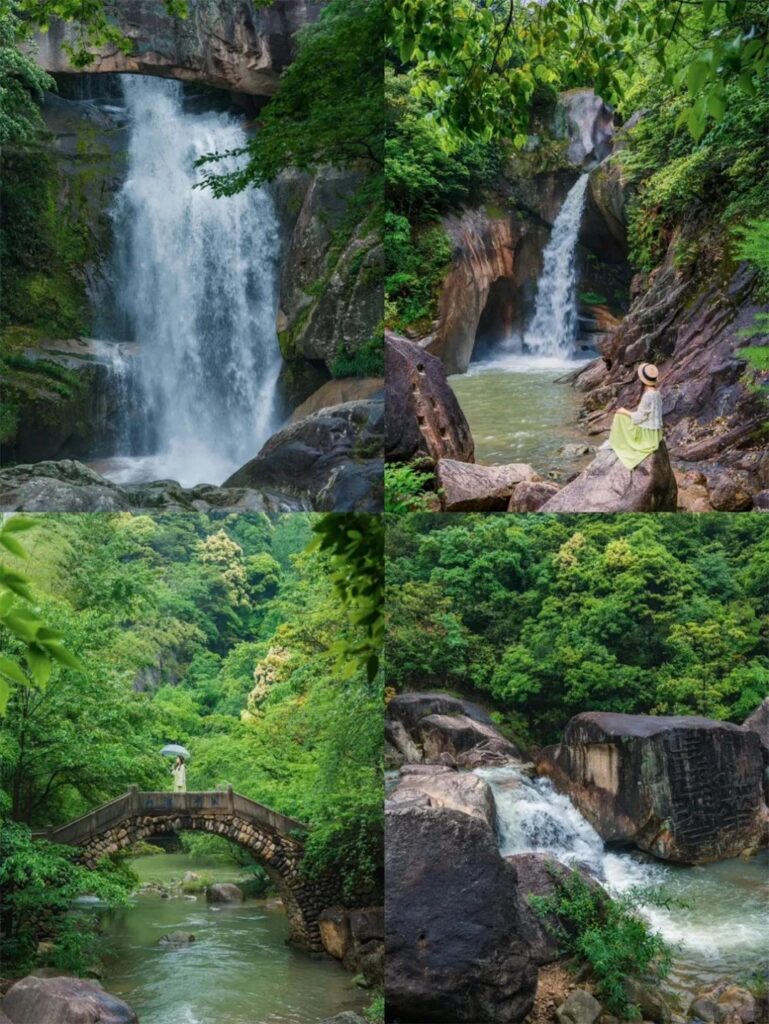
649, 411
179, 773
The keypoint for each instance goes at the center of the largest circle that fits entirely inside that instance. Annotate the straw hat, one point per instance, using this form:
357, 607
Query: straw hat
648, 373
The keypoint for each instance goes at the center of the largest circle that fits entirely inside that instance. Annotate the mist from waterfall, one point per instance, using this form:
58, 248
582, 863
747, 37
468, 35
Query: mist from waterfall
723, 929
553, 328
194, 281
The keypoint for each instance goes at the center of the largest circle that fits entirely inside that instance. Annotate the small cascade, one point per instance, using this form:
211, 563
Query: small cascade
553, 328
722, 930
194, 283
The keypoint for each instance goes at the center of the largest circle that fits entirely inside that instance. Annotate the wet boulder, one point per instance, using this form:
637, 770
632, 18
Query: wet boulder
439, 786
424, 420
334, 926
177, 939
468, 487
686, 789
366, 957
224, 892
66, 486
330, 460
64, 1000
410, 708
727, 1003
607, 486
454, 948
348, 1017
466, 742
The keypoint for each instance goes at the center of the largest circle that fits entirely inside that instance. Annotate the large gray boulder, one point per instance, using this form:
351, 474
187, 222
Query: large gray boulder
455, 949
758, 722
468, 487
411, 708
64, 1000
424, 420
231, 44
607, 486
439, 786
330, 460
224, 892
686, 789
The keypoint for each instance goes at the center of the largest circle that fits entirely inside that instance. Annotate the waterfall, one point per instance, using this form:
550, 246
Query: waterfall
553, 328
723, 929
194, 281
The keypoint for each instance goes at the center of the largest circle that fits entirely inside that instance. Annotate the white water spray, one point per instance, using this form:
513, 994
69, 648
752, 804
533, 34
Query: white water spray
195, 284
723, 930
553, 328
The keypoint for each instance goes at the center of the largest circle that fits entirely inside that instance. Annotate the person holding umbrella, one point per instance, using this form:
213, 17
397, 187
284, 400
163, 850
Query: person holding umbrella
179, 768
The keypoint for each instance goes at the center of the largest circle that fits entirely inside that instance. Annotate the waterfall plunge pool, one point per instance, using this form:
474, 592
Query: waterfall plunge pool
721, 932
239, 969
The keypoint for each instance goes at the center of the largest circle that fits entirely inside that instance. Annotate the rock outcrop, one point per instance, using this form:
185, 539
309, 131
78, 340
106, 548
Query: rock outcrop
64, 1000
356, 938
440, 786
330, 292
588, 122
530, 496
469, 487
224, 892
231, 44
607, 486
69, 486
758, 722
685, 789
424, 420
328, 461
339, 392
455, 949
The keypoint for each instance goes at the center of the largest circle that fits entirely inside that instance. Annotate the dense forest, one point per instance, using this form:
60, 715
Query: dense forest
547, 617
235, 636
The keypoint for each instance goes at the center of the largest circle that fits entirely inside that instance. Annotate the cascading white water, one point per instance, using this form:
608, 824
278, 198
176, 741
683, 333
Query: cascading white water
722, 931
195, 287
553, 328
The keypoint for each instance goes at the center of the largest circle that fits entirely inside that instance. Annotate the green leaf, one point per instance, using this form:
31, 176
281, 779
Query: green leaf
12, 670
5, 693
716, 105
64, 657
17, 524
39, 665
696, 75
12, 545
746, 83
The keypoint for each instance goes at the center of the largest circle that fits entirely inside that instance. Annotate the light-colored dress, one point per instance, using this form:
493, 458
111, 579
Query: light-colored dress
636, 436
179, 773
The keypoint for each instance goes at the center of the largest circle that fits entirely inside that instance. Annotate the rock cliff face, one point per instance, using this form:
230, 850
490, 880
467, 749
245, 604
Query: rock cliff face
232, 44
685, 789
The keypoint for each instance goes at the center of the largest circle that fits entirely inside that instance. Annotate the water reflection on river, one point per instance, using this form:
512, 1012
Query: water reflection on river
239, 970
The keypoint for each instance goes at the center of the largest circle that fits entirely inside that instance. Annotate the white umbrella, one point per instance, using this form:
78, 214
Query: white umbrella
174, 750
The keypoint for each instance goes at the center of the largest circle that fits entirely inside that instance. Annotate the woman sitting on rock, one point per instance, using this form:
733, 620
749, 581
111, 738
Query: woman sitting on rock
636, 434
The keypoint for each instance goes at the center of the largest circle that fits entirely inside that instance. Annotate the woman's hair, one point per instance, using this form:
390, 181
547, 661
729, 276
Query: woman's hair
179, 759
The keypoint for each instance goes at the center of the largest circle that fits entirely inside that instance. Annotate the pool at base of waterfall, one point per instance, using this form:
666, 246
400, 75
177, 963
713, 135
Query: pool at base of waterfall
239, 968
518, 411
718, 920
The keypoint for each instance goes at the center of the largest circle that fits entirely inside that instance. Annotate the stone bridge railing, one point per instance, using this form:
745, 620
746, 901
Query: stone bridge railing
270, 837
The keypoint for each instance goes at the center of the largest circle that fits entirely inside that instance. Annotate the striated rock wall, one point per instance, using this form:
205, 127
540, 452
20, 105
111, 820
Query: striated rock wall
231, 44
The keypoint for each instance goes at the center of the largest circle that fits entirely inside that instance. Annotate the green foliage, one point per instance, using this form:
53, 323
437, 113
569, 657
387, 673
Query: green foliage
552, 616
366, 361
608, 934
753, 245
405, 489
416, 262
328, 109
376, 1011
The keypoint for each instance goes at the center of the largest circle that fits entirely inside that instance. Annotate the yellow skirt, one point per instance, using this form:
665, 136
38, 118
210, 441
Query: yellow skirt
630, 443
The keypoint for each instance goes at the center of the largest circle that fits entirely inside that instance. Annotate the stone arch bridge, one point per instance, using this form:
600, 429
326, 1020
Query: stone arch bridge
273, 839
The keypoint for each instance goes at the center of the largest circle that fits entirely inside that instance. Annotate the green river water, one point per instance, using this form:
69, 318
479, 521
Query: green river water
238, 971
519, 412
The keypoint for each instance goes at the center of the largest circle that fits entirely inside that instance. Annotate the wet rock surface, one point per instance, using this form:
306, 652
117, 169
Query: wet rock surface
224, 892
469, 487
424, 420
685, 789
64, 1000
328, 461
607, 486
455, 950
442, 787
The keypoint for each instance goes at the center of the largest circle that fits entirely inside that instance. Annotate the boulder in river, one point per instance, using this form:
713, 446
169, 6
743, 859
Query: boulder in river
411, 708
348, 1017
758, 721
330, 461
177, 939
424, 420
439, 786
686, 789
607, 486
224, 892
334, 926
64, 1000
455, 949
531, 495
468, 487
727, 1003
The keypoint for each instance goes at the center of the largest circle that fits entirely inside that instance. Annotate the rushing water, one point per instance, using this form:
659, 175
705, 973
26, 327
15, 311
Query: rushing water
194, 282
238, 970
723, 931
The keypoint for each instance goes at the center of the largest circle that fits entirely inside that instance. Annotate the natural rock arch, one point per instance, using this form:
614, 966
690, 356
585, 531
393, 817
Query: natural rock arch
268, 836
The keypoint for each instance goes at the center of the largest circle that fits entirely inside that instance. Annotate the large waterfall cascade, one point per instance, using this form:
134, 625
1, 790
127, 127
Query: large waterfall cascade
194, 286
723, 928
553, 328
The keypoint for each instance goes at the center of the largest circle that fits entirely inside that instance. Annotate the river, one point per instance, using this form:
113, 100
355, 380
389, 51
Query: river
239, 970
721, 931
